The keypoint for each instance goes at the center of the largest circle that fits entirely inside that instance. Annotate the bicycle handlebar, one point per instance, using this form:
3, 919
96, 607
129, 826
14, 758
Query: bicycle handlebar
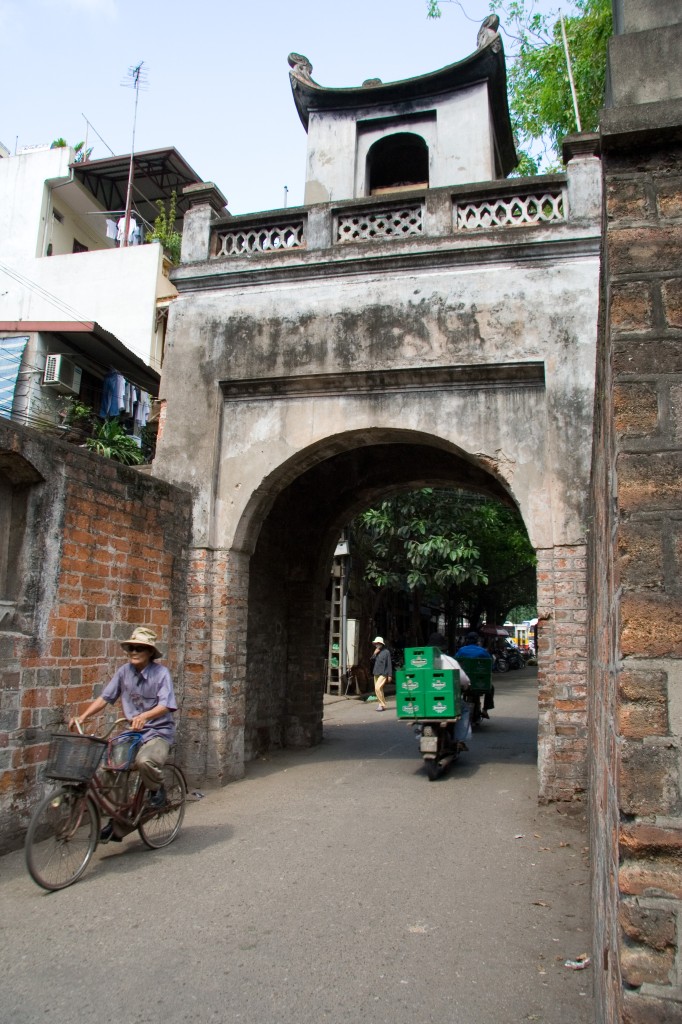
109, 731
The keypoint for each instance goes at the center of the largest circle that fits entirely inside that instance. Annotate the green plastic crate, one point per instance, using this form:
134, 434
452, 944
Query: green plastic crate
479, 671
421, 657
409, 682
442, 705
410, 705
445, 680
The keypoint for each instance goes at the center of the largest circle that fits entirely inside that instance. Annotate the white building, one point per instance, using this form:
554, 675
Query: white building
68, 286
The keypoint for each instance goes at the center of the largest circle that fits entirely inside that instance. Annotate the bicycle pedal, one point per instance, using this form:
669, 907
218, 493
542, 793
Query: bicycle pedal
107, 835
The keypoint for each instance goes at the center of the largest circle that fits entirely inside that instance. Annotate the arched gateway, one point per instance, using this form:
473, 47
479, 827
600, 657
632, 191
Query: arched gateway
323, 356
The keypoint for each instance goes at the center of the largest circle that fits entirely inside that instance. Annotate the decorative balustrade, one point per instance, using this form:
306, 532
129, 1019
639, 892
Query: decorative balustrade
241, 241
316, 228
510, 211
373, 225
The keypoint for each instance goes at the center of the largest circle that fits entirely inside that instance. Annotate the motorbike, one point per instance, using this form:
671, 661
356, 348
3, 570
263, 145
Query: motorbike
508, 658
441, 742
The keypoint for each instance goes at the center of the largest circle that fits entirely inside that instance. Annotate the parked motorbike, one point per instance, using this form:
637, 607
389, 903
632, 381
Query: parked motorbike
509, 657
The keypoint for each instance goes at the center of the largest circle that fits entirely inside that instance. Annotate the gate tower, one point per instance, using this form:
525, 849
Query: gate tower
422, 319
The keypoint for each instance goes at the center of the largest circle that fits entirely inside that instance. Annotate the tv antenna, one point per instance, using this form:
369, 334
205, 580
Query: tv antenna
137, 79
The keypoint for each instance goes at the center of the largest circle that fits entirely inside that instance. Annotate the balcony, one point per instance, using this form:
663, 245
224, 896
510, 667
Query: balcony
514, 212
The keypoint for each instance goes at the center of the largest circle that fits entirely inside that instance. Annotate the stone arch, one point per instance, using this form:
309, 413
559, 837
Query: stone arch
397, 160
290, 528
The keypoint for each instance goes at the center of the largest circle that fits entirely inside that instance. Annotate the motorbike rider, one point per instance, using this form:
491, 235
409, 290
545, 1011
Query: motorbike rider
461, 728
473, 649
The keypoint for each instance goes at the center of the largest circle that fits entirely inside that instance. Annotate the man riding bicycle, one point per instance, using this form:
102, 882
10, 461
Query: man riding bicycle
148, 701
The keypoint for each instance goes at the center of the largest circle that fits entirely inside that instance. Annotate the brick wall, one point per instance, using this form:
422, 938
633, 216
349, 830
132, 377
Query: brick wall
636, 592
562, 667
215, 664
104, 549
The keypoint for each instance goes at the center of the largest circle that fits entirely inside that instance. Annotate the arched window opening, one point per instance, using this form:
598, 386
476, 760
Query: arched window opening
16, 478
398, 162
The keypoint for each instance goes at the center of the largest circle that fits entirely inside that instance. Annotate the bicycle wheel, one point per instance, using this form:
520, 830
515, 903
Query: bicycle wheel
161, 827
61, 838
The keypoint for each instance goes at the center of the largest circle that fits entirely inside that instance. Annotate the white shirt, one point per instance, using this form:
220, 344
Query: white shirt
447, 662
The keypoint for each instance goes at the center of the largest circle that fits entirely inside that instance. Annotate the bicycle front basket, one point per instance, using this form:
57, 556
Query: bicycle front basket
73, 758
121, 751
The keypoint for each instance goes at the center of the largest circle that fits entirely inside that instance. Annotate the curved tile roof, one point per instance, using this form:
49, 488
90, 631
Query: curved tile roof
486, 64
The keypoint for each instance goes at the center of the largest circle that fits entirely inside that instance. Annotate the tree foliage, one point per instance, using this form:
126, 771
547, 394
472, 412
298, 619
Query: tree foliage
450, 548
540, 100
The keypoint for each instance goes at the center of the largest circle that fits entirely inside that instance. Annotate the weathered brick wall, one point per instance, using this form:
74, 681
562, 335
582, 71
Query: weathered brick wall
104, 549
215, 666
562, 667
635, 593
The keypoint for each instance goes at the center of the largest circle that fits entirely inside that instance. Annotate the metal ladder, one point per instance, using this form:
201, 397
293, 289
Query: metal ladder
335, 659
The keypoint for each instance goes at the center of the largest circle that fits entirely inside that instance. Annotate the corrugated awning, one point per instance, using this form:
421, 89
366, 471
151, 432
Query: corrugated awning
98, 345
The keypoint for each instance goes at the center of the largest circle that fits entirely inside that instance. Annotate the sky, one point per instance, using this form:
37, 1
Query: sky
217, 84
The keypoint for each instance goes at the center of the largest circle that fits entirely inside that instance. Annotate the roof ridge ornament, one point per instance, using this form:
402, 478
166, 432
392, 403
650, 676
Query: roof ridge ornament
301, 66
488, 34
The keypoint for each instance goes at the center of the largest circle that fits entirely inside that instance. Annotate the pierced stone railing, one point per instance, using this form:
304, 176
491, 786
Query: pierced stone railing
260, 238
437, 213
373, 225
510, 211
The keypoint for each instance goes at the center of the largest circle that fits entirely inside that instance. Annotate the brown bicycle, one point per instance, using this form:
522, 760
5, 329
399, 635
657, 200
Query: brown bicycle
97, 779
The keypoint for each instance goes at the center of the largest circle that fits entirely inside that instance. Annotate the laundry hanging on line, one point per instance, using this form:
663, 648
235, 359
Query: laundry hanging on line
125, 400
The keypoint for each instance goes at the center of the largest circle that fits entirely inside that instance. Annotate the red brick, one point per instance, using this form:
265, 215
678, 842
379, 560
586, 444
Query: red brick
639, 250
651, 625
661, 877
650, 482
648, 779
650, 927
640, 840
640, 556
631, 307
638, 1009
669, 200
655, 355
672, 302
626, 199
635, 409
640, 964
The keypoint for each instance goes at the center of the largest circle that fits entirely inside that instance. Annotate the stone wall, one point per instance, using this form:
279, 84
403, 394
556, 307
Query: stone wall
636, 595
102, 549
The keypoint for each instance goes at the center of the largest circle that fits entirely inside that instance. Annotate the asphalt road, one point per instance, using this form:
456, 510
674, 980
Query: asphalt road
335, 884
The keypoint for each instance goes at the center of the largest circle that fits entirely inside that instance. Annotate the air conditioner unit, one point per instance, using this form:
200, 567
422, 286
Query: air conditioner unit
62, 375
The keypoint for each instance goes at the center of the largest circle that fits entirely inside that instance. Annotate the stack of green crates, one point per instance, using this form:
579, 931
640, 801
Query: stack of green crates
425, 691
479, 671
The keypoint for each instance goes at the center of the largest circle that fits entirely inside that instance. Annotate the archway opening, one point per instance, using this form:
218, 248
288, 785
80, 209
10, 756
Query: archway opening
399, 161
293, 546
430, 561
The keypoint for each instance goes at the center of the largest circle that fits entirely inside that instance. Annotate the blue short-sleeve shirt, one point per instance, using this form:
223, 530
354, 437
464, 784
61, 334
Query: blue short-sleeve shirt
142, 691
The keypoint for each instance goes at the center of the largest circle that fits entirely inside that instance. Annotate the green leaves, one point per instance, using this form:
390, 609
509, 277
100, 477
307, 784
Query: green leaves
540, 101
110, 440
540, 94
450, 547
164, 228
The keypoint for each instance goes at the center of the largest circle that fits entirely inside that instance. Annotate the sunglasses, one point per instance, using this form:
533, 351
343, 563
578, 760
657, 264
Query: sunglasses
134, 649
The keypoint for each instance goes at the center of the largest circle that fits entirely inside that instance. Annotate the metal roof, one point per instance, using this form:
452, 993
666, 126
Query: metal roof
156, 174
95, 344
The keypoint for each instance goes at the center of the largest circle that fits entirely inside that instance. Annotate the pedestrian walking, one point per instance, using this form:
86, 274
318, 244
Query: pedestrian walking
382, 670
